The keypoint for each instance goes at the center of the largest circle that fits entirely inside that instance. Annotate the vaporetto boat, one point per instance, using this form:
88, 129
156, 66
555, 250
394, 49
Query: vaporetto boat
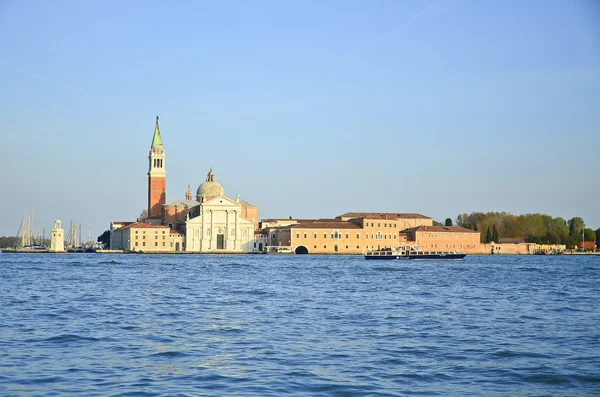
413, 253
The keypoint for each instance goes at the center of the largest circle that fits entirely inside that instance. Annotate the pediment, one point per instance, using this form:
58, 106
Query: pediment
221, 201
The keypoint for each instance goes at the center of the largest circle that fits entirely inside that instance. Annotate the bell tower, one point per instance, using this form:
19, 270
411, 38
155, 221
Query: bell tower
157, 175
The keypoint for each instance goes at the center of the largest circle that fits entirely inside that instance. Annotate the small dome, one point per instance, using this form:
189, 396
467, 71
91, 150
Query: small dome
210, 188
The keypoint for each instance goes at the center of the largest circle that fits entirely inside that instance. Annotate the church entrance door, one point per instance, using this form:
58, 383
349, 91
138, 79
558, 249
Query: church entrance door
220, 241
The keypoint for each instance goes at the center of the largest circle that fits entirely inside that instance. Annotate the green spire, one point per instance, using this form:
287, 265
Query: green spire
156, 140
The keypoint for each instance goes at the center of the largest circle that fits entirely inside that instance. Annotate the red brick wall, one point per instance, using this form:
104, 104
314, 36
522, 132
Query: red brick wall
157, 195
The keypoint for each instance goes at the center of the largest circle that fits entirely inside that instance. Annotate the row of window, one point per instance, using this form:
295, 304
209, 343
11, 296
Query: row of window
357, 247
453, 246
158, 163
379, 224
156, 232
336, 235
155, 237
453, 235
155, 244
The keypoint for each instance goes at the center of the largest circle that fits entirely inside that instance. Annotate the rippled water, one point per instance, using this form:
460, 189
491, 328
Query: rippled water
262, 325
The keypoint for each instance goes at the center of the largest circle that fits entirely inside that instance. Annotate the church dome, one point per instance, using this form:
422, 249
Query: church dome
210, 188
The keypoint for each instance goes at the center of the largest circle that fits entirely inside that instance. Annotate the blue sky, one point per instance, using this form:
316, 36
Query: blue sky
304, 108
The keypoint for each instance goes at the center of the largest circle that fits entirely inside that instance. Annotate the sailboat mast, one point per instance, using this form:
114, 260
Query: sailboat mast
31, 229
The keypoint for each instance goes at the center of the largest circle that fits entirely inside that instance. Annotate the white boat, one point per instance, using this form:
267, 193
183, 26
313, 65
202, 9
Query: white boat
412, 253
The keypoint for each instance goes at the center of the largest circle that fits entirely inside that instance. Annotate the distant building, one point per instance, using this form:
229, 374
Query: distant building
442, 238
357, 232
137, 236
587, 245
57, 240
210, 223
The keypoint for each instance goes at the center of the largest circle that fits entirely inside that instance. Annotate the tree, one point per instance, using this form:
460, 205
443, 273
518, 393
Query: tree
575, 229
488, 236
598, 238
495, 234
448, 222
143, 215
436, 223
589, 235
104, 238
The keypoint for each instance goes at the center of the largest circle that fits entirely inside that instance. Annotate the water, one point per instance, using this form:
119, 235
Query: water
262, 325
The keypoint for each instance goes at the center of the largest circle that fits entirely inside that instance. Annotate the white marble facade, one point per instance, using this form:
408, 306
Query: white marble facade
219, 227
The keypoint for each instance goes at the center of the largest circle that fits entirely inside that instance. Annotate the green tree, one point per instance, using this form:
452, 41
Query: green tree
448, 222
589, 235
575, 229
8, 242
104, 238
495, 234
462, 220
488, 236
436, 223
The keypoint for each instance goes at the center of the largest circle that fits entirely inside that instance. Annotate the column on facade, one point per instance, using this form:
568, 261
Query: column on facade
237, 231
210, 241
202, 230
227, 231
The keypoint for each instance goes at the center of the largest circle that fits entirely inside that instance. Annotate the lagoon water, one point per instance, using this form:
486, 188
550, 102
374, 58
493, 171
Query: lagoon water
262, 325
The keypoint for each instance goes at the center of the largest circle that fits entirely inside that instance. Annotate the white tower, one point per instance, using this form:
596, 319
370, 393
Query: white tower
57, 242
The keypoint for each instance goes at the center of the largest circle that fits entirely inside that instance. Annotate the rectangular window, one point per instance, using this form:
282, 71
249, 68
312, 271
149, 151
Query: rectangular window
144, 243
163, 243
325, 246
156, 244
304, 235
357, 247
315, 236
385, 225
378, 224
357, 236
297, 235
324, 235
346, 247
136, 244
346, 237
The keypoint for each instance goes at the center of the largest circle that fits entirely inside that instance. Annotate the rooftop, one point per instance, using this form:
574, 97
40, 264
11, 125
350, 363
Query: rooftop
383, 215
140, 225
440, 229
181, 203
326, 224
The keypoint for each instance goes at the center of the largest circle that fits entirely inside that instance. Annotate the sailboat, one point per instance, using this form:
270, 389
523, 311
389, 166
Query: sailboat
27, 241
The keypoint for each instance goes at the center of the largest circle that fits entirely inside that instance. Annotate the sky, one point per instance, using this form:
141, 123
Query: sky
305, 108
